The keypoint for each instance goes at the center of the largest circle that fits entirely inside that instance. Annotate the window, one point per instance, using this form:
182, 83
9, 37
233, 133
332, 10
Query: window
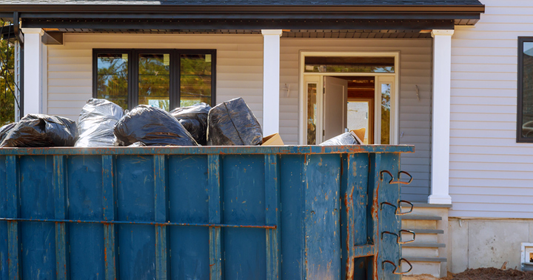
524, 130
164, 78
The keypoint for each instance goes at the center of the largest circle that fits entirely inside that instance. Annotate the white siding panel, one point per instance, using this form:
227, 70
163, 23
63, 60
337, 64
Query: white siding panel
490, 174
239, 66
415, 115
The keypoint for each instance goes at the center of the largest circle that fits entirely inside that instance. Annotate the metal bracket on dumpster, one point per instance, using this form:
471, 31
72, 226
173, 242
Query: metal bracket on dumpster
397, 209
400, 213
391, 181
399, 236
396, 267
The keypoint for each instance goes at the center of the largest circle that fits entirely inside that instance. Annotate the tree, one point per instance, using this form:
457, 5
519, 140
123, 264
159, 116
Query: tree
7, 76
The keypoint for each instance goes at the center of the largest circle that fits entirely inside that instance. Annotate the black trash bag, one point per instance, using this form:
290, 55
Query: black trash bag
233, 123
96, 123
194, 119
347, 138
38, 130
4, 130
153, 127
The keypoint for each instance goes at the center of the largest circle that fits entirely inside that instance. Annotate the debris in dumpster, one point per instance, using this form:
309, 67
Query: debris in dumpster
39, 130
347, 138
137, 144
360, 134
272, 140
4, 130
153, 127
194, 119
233, 123
96, 122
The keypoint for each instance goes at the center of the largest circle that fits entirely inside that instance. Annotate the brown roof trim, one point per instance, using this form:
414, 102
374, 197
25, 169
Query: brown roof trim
381, 9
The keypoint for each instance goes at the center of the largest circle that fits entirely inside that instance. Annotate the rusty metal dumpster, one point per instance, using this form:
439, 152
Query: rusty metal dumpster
289, 212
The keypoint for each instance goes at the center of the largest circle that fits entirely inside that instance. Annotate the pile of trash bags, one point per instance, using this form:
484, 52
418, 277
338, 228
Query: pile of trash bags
103, 123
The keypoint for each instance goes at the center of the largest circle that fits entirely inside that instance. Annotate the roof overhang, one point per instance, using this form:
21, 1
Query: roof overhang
244, 16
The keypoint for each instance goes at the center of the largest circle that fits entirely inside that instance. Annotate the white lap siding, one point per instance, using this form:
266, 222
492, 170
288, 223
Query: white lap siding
490, 174
239, 66
415, 115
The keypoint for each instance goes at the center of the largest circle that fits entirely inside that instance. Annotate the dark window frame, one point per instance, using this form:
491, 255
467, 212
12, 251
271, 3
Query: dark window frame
174, 86
519, 109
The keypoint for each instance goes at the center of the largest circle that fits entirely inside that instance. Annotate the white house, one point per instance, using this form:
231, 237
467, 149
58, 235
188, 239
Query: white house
454, 78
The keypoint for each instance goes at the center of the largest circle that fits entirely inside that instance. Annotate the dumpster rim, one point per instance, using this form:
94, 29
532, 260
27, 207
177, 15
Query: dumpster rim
210, 150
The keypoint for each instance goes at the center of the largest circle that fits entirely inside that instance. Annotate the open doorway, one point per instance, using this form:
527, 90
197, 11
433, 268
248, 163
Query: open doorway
343, 93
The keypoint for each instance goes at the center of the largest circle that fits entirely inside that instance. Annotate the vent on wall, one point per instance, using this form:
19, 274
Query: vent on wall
527, 256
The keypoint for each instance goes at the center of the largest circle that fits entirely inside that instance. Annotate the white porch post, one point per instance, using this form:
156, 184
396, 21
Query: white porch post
271, 49
32, 70
440, 160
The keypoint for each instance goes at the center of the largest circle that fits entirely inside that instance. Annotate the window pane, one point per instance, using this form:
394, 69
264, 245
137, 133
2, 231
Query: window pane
311, 114
112, 78
195, 79
154, 80
350, 64
385, 113
527, 90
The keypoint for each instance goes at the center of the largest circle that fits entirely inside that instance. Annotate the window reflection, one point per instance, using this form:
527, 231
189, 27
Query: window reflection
527, 90
311, 114
195, 79
385, 113
154, 80
112, 78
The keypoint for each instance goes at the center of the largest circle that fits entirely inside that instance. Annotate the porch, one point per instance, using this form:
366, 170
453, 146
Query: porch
245, 66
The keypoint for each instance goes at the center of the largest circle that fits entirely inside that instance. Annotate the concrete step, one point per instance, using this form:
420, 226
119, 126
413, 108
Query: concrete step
424, 259
428, 231
420, 224
421, 217
421, 237
419, 252
424, 245
431, 268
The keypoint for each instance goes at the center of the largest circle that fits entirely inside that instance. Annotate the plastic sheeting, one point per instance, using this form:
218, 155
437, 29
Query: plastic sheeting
194, 119
96, 123
347, 138
233, 123
39, 130
4, 130
152, 127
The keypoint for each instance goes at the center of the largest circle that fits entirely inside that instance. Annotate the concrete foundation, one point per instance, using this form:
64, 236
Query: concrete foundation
475, 243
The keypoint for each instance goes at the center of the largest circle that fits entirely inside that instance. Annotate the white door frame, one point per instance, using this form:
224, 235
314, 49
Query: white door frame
303, 93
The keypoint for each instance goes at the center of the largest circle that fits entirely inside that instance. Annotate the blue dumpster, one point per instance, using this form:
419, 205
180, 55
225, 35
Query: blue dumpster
287, 212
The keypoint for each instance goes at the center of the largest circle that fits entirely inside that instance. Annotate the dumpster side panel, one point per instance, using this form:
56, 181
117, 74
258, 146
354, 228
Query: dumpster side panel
4, 255
322, 217
37, 202
135, 202
188, 203
84, 182
292, 216
243, 194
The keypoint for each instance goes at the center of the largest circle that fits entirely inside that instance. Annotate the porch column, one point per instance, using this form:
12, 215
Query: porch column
440, 160
32, 70
271, 58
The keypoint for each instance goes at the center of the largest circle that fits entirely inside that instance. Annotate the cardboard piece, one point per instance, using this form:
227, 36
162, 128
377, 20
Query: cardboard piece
360, 134
273, 140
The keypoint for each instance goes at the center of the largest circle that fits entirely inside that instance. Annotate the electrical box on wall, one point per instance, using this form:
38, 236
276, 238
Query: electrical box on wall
527, 256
